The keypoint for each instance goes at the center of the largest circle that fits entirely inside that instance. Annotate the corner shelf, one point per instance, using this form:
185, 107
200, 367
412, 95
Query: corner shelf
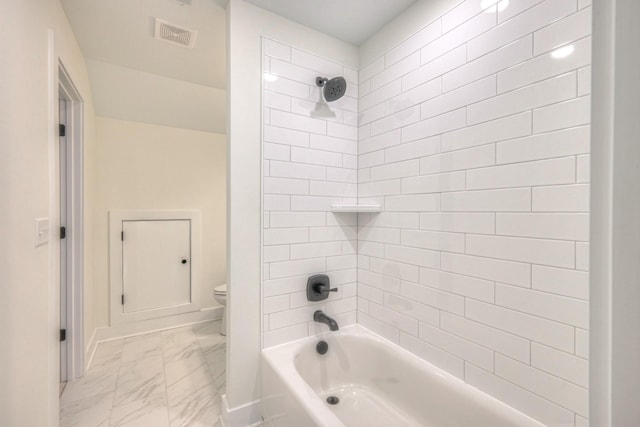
355, 208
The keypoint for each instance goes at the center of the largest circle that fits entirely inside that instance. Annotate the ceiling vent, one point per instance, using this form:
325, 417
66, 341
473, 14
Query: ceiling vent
173, 34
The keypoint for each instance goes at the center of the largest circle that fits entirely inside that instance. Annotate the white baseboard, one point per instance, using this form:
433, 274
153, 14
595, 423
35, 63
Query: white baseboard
247, 415
124, 330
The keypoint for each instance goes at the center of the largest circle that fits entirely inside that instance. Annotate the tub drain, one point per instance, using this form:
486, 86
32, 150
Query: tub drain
333, 400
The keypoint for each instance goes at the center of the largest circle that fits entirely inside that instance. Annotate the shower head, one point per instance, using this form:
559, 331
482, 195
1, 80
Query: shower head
333, 89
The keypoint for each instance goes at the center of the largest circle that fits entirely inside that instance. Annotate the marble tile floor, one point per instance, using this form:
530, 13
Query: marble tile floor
173, 378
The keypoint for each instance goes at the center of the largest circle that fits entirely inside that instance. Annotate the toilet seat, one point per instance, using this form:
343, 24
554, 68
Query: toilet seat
220, 294
220, 290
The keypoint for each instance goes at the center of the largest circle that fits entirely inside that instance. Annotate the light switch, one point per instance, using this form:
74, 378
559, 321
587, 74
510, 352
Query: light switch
42, 231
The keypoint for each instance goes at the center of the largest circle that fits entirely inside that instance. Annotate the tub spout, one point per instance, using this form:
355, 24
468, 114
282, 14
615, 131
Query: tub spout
319, 316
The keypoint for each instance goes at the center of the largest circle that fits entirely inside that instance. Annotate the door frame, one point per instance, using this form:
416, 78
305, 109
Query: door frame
74, 223
116, 217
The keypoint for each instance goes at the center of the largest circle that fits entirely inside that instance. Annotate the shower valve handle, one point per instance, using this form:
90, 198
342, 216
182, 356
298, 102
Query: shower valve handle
324, 290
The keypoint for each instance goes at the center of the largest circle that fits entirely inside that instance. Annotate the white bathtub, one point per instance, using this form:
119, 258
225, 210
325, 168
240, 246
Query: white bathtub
378, 384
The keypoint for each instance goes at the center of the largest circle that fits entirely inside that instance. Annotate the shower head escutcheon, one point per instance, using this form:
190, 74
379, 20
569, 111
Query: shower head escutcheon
334, 89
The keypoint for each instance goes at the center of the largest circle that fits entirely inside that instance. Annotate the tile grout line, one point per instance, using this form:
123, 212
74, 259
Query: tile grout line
164, 374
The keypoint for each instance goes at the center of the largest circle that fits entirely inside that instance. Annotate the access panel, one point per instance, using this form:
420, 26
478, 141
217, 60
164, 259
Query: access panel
156, 264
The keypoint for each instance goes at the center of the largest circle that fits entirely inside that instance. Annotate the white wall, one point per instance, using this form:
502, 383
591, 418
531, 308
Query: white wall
29, 288
246, 26
147, 167
310, 163
615, 342
476, 142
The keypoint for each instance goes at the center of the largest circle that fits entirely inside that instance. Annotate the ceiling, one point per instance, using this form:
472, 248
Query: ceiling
137, 77
353, 21
120, 32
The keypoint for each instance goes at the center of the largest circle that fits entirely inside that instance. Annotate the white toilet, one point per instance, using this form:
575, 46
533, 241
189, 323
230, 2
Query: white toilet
220, 294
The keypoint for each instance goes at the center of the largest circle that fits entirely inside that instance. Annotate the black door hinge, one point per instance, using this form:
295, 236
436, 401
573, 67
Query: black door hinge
62, 130
63, 335
122, 299
63, 232
122, 236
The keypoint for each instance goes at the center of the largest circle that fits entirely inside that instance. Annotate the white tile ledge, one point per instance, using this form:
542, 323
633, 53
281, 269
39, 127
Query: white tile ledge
355, 208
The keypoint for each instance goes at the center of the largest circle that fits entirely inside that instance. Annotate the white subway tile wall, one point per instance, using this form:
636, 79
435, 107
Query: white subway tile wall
310, 164
474, 137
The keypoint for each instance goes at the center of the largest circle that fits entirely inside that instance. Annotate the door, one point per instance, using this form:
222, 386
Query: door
64, 259
156, 264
